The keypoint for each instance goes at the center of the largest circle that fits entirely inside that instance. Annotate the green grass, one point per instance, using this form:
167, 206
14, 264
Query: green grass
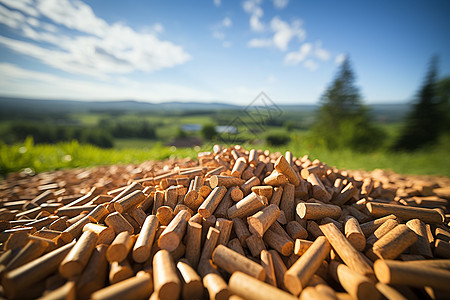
40, 158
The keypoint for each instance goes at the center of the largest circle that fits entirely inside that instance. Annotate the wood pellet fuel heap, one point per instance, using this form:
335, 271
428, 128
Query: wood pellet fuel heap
232, 224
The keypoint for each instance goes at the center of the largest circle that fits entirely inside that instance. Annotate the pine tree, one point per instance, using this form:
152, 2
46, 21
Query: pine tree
343, 121
425, 121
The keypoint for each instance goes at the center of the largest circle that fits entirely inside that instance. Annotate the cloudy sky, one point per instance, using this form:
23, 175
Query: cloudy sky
217, 50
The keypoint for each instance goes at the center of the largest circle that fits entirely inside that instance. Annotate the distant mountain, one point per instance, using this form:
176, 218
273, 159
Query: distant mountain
20, 106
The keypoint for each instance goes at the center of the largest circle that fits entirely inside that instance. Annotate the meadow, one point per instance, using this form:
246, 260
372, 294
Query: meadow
42, 157
25, 153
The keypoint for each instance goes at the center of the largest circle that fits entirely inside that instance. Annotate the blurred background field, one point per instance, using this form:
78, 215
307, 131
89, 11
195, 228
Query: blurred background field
44, 140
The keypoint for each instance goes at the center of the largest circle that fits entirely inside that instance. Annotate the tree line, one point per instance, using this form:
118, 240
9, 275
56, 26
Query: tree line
101, 135
343, 121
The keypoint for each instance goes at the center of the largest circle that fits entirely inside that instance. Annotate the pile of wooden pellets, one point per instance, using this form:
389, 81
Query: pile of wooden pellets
231, 224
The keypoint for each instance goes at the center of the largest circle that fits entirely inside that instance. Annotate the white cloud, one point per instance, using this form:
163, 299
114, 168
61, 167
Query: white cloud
260, 43
284, 32
16, 81
295, 57
11, 18
27, 6
227, 22
311, 64
321, 53
280, 4
340, 58
94, 46
253, 8
217, 3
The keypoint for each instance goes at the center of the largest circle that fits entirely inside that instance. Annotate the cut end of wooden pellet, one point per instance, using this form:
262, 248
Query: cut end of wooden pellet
169, 241
382, 271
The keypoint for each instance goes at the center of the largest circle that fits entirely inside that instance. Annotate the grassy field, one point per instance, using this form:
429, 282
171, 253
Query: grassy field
40, 158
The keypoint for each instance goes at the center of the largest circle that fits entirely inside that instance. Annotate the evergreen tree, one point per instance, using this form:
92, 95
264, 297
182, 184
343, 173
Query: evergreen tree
425, 121
342, 120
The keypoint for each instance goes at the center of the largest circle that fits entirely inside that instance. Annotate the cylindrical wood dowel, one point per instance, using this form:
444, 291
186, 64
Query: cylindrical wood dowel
120, 247
402, 273
276, 179
192, 283
279, 268
144, 242
193, 243
255, 244
357, 285
210, 204
216, 286
18, 280
226, 181
31, 251
296, 231
282, 166
316, 211
105, 234
345, 195
167, 283
381, 231
405, 213
421, 246
251, 288
98, 213
94, 275
75, 261
118, 223
247, 206
297, 276
235, 245
171, 236
351, 257
232, 261
393, 243
354, 234
278, 239
224, 226
120, 271
134, 288
267, 264
287, 202
241, 230
370, 227
210, 244
262, 220
301, 246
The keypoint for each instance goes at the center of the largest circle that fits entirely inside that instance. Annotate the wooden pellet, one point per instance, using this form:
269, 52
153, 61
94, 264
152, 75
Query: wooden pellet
351, 257
120, 247
144, 242
196, 225
296, 277
135, 288
167, 283
232, 261
18, 280
171, 236
393, 243
118, 223
251, 288
75, 261
357, 285
402, 273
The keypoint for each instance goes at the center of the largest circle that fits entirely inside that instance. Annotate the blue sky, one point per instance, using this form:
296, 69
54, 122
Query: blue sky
217, 50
